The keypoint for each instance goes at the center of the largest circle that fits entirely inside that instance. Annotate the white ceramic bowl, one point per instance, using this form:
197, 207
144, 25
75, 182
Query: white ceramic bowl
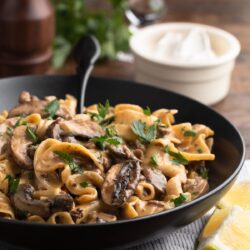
207, 82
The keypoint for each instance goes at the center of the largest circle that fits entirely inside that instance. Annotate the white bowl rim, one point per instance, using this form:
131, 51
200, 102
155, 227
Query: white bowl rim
228, 56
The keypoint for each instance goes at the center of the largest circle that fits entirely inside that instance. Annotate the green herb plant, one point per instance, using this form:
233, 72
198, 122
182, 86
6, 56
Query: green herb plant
75, 19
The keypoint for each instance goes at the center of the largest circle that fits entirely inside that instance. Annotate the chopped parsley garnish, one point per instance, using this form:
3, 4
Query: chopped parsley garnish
199, 150
178, 158
110, 137
68, 159
30, 133
203, 172
145, 136
84, 184
147, 111
154, 160
52, 108
9, 131
13, 183
157, 121
102, 110
162, 125
179, 200
190, 133
20, 122
107, 121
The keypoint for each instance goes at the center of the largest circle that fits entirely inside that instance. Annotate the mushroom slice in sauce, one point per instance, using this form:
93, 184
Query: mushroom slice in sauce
19, 147
23, 201
80, 126
196, 186
120, 153
28, 104
156, 178
120, 182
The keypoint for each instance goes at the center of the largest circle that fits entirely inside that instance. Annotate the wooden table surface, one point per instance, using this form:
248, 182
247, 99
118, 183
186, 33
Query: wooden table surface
230, 15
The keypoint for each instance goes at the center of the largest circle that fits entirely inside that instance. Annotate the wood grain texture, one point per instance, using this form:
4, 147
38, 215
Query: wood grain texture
27, 32
230, 15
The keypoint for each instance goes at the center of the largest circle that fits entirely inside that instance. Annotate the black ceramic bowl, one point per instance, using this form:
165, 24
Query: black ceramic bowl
228, 148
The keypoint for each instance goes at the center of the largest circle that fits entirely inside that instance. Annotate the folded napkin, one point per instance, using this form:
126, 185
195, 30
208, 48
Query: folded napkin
185, 238
182, 239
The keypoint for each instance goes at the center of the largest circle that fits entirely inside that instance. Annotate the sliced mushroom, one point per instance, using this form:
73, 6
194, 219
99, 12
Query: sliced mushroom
156, 178
196, 186
28, 104
120, 153
54, 130
120, 182
19, 147
63, 202
23, 201
79, 126
99, 217
162, 130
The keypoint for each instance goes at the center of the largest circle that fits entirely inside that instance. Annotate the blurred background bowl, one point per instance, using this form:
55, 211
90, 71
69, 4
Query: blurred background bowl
207, 82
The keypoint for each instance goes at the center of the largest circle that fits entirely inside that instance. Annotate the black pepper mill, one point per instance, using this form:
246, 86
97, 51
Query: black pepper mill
27, 31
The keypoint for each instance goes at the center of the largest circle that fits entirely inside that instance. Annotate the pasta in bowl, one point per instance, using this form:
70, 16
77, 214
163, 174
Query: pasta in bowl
106, 164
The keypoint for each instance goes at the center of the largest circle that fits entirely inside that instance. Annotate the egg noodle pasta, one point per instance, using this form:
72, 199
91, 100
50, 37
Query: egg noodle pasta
106, 164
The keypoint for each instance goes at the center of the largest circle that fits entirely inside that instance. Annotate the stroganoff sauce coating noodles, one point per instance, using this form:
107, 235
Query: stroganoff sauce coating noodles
106, 164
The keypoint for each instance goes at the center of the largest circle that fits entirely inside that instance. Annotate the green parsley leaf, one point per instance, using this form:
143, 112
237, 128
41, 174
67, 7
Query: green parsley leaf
94, 115
178, 158
84, 184
20, 122
30, 133
158, 121
9, 131
147, 111
139, 128
99, 141
68, 159
52, 108
190, 133
103, 109
179, 200
107, 121
154, 160
199, 150
115, 140
109, 138
13, 183
203, 172
151, 133
110, 131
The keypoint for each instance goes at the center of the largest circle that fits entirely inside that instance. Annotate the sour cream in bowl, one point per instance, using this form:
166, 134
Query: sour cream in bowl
192, 59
